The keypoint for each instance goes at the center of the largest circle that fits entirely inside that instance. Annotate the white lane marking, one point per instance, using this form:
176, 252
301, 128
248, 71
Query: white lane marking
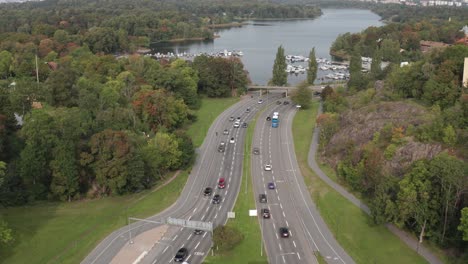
197, 244
220, 208
284, 215
228, 185
170, 260
174, 238
281, 249
284, 261
142, 255
194, 210
287, 224
279, 198
281, 206
207, 208
299, 256
204, 234
274, 226
276, 236
189, 237
188, 257
294, 242
216, 215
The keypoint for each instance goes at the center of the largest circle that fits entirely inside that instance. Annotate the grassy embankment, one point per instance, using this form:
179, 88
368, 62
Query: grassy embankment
53, 232
248, 251
364, 241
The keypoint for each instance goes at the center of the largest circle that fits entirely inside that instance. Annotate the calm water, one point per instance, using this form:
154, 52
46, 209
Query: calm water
259, 41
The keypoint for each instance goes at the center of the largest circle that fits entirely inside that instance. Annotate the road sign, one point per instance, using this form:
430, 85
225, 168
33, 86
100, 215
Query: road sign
253, 212
231, 215
206, 226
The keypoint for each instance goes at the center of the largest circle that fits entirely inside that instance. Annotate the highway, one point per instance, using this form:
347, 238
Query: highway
192, 205
289, 203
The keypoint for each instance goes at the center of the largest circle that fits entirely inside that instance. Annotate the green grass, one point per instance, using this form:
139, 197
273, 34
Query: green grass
66, 232
248, 251
364, 241
209, 110
56, 232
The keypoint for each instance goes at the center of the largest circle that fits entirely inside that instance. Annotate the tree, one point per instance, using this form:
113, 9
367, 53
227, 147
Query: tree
6, 60
280, 76
302, 96
162, 153
64, 168
463, 227
390, 50
376, 70
312, 71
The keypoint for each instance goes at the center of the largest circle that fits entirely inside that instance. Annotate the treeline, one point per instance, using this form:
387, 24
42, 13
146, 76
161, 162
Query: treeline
394, 37
96, 125
121, 26
426, 196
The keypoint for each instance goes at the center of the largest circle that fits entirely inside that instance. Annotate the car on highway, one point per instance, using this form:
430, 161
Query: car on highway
260, 101
232, 140
208, 191
226, 132
262, 198
271, 185
268, 118
222, 146
236, 124
268, 167
256, 151
238, 118
181, 255
247, 110
216, 199
286, 102
266, 213
231, 118
244, 125
278, 102
221, 183
284, 231
198, 232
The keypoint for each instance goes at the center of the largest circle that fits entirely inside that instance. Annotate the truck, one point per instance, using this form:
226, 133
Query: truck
275, 121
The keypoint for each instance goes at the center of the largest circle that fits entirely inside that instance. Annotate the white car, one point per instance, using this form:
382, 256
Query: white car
231, 140
260, 101
237, 124
267, 167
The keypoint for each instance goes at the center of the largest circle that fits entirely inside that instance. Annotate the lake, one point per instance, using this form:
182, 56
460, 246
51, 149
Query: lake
259, 40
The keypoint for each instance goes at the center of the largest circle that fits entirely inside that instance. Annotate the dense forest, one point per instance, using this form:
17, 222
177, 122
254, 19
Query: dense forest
398, 135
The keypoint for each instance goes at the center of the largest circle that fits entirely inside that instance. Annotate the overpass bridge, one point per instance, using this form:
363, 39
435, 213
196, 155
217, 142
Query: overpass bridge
317, 88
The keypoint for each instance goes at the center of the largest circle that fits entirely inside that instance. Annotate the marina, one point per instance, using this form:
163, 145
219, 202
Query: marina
339, 70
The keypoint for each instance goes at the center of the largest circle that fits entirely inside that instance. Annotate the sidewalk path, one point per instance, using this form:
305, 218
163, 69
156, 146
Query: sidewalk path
410, 240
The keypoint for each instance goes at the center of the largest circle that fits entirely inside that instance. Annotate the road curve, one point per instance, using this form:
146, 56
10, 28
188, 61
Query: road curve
408, 239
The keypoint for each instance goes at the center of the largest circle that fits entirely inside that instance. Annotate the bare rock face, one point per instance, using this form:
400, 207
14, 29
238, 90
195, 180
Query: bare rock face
357, 128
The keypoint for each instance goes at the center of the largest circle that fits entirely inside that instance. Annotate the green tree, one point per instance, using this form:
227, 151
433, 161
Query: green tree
313, 67
450, 136
390, 50
376, 70
6, 60
280, 76
162, 153
463, 227
302, 95
64, 166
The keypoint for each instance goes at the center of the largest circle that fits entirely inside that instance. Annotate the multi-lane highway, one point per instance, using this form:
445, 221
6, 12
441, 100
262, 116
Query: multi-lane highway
289, 201
210, 166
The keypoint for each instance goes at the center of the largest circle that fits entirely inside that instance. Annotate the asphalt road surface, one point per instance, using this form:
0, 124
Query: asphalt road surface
192, 205
289, 202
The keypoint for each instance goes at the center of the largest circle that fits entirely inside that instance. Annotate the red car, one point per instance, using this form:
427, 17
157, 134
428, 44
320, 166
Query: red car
221, 183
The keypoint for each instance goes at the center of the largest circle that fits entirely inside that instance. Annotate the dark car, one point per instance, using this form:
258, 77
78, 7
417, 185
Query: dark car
262, 198
226, 132
266, 213
278, 102
286, 102
268, 118
222, 146
244, 125
231, 118
198, 232
284, 231
247, 110
181, 255
207, 191
216, 199
271, 185
256, 151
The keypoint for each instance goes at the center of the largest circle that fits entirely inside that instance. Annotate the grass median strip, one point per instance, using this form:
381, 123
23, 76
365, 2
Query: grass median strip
354, 230
56, 232
248, 251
